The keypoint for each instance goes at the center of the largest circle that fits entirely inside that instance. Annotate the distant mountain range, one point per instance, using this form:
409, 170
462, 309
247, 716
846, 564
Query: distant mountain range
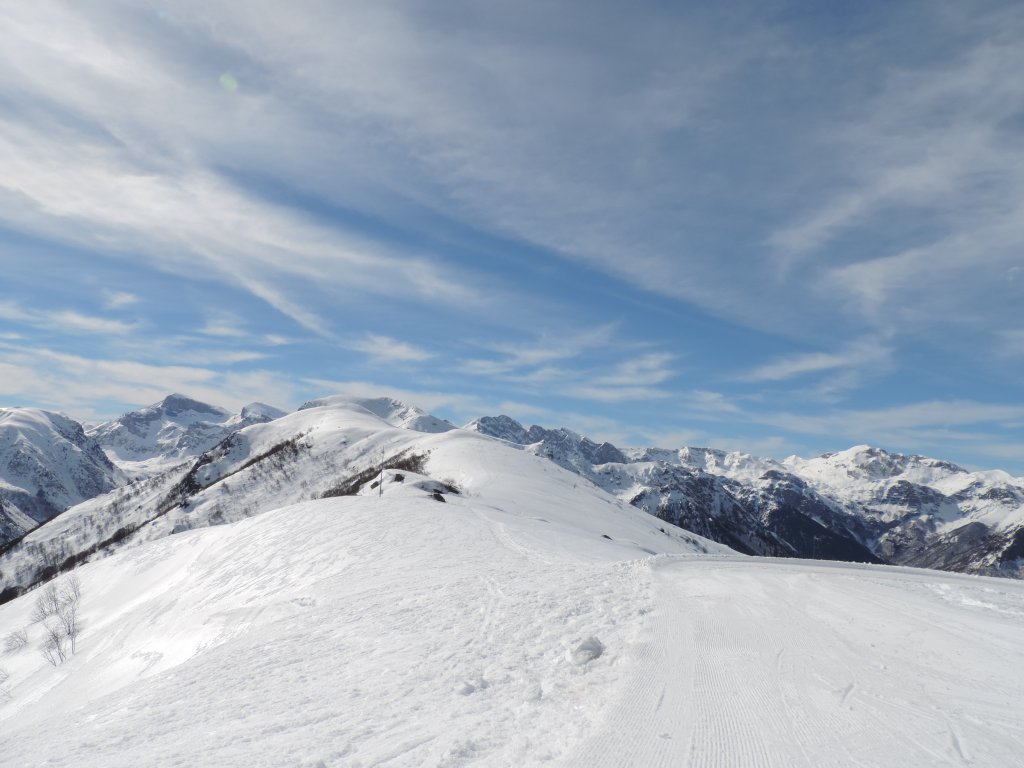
861, 504
68, 493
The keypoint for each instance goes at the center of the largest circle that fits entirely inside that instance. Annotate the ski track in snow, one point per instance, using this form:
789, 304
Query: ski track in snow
776, 664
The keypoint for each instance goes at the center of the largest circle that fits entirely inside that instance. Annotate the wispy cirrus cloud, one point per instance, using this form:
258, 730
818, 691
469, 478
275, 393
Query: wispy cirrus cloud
81, 385
518, 358
862, 353
385, 349
835, 197
64, 320
120, 299
589, 365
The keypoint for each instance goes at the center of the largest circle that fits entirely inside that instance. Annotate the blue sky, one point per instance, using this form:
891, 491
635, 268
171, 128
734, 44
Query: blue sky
774, 227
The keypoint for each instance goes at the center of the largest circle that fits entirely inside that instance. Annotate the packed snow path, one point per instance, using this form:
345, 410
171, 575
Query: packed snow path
786, 663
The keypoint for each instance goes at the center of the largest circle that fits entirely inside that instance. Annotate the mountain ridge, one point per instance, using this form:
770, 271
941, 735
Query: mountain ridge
862, 504
196, 465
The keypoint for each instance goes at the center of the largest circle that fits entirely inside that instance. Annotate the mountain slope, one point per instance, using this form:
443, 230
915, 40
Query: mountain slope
863, 504
749, 504
47, 463
320, 451
410, 627
148, 441
927, 512
521, 622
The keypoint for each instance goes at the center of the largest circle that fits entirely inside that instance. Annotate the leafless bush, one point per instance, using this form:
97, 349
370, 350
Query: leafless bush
15, 641
57, 609
5, 692
55, 647
47, 604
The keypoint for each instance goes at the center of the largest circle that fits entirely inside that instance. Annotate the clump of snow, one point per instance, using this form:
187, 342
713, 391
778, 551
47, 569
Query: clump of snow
587, 651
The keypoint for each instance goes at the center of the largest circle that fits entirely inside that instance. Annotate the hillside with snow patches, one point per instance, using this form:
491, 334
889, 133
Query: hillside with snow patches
280, 600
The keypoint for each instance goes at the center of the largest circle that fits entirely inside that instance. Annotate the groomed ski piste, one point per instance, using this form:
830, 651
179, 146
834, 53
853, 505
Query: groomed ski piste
530, 619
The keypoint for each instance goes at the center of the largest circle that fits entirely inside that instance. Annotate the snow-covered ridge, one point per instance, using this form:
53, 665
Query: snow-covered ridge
394, 412
150, 440
860, 504
47, 464
330, 447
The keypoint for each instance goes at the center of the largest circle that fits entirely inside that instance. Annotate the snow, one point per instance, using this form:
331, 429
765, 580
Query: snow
361, 630
393, 412
149, 441
48, 464
761, 662
530, 619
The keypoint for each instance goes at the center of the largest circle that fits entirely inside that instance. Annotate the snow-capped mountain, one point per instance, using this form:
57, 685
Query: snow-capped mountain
328, 448
924, 511
47, 464
394, 412
150, 440
863, 504
193, 465
739, 500
405, 597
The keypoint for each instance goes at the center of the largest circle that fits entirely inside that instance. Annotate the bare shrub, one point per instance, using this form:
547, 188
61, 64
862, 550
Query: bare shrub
54, 648
5, 692
15, 641
58, 609
47, 604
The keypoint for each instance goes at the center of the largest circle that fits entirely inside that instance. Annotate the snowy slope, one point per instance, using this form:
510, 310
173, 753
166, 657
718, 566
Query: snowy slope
318, 451
750, 504
863, 504
47, 463
149, 441
500, 627
394, 412
800, 663
392, 629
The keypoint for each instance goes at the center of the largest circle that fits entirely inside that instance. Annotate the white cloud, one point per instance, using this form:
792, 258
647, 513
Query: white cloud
926, 196
614, 394
386, 349
531, 365
647, 369
120, 300
859, 354
70, 321
549, 348
76, 384
1011, 342
224, 325
65, 320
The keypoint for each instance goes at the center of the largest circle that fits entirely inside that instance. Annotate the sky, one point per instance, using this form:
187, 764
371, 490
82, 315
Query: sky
775, 227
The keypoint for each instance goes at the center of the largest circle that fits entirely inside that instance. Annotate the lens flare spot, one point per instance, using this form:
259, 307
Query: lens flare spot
228, 82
